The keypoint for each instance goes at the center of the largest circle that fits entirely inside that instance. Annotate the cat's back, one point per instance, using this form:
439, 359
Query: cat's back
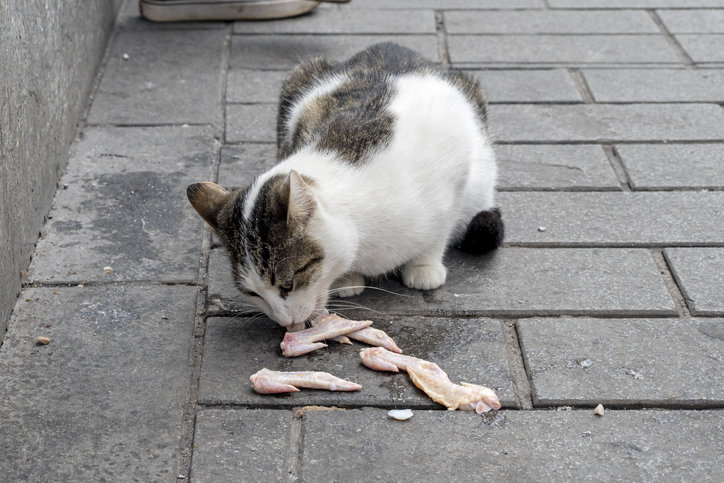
346, 107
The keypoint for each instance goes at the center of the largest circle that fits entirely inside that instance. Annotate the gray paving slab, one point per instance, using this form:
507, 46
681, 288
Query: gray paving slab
635, 3
655, 85
513, 446
470, 350
606, 122
614, 218
703, 48
241, 163
624, 362
251, 123
285, 51
669, 166
511, 282
549, 167
549, 22
697, 21
560, 49
446, 4
545, 85
104, 400
122, 205
331, 20
242, 445
254, 86
167, 77
699, 273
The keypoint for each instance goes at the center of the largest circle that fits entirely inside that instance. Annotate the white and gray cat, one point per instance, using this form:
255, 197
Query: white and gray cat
384, 162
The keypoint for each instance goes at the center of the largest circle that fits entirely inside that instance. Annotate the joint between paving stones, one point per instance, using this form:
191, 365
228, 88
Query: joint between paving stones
671, 39
618, 168
672, 285
443, 52
516, 365
580, 82
188, 427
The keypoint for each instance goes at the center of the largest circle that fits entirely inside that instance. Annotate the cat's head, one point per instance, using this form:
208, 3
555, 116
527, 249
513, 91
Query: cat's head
277, 238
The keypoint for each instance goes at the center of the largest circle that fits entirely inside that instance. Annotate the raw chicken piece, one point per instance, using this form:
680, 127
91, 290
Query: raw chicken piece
273, 382
430, 378
303, 341
368, 335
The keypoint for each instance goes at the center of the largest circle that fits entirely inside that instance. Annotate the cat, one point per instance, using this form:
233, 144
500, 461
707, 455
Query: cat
384, 162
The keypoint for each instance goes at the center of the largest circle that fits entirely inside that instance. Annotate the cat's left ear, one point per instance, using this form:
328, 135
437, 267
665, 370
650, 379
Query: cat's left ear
207, 198
301, 204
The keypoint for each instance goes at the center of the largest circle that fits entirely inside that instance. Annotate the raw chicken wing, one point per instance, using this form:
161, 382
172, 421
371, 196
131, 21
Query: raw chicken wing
274, 382
434, 381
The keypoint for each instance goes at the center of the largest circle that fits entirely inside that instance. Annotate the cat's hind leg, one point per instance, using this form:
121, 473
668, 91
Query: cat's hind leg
348, 285
426, 272
484, 232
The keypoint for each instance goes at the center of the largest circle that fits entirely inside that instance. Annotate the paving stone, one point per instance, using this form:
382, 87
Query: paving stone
333, 20
703, 48
241, 163
635, 3
550, 85
698, 272
510, 282
664, 166
241, 445
251, 123
254, 86
105, 398
445, 4
559, 166
123, 205
693, 21
647, 445
549, 22
470, 350
649, 362
607, 218
559, 49
167, 78
582, 123
655, 85
285, 51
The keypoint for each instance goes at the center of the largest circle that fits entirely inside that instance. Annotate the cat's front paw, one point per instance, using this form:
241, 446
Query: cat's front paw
348, 285
424, 277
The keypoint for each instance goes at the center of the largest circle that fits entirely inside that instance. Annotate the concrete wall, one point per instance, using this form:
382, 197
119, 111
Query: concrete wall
50, 52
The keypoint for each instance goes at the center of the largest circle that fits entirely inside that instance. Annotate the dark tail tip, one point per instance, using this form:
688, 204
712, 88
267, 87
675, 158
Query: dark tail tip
485, 233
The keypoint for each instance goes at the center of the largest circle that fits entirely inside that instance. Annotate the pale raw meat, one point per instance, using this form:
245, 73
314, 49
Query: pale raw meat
368, 335
430, 378
274, 382
304, 341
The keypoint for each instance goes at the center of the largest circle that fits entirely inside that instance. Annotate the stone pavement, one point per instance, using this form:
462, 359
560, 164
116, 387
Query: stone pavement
609, 122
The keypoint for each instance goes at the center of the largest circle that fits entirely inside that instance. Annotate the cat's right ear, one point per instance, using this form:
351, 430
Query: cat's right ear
207, 198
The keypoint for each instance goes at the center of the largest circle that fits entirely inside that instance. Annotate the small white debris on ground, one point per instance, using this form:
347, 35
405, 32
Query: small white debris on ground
599, 410
125, 56
541, 228
400, 414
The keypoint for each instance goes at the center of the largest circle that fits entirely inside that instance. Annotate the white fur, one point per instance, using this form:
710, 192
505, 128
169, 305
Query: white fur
404, 205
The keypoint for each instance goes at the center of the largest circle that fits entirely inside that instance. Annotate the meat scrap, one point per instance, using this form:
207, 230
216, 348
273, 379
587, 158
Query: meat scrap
433, 381
275, 382
368, 335
304, 341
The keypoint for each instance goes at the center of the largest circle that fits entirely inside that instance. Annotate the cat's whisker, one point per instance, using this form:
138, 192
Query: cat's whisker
370, 287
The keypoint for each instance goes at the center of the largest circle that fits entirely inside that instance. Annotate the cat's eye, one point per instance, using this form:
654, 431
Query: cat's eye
286, 287
250, 293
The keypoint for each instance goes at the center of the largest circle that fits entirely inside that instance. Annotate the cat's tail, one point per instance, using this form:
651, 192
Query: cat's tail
484, 233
